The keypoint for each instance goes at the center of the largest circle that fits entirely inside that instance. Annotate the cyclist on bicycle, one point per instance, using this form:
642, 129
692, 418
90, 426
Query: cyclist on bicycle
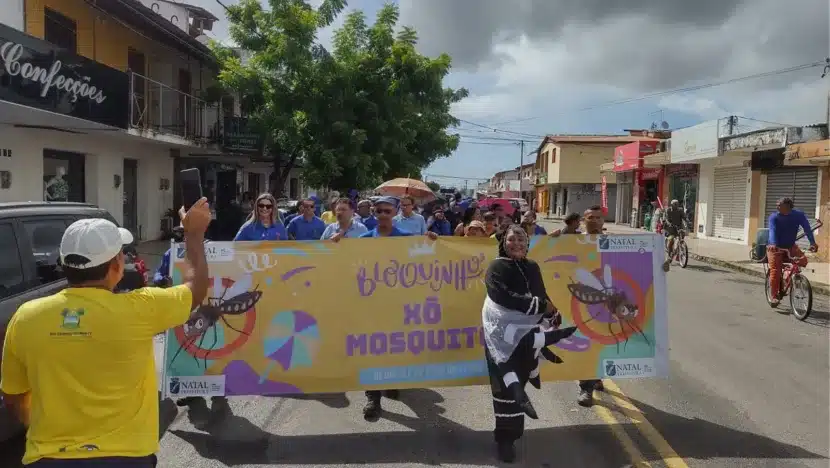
783, 230
673, 221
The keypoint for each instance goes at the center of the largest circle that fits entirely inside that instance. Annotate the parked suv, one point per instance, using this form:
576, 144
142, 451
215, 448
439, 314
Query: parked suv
30, 236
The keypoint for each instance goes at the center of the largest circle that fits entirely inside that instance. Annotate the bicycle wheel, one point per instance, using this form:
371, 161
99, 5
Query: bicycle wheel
801, 297
683, 254
767, 293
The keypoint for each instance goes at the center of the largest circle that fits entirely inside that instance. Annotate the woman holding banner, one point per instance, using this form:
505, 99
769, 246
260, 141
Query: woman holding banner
520, 322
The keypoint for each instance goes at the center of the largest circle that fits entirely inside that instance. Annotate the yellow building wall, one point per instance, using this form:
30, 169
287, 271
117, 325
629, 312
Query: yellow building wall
100, 37
579, 163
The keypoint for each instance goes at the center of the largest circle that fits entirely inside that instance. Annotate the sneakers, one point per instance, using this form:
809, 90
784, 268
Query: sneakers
220, 407
585, 398
506, 452
372, 410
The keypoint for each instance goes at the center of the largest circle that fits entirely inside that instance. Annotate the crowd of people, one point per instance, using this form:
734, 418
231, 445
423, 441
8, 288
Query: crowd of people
78, 366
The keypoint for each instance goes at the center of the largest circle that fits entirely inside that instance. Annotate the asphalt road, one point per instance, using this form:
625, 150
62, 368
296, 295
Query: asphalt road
748, 387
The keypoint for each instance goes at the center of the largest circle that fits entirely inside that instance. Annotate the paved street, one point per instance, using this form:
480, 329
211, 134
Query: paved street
748, 387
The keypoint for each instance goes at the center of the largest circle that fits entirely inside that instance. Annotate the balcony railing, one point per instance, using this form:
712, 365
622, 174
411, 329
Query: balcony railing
162, 109
541, 179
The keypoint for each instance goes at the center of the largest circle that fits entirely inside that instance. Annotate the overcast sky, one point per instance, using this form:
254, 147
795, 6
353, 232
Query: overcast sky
545, 61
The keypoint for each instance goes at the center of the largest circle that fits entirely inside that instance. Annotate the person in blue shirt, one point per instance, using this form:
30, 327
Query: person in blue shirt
530, 226
408, 220
385, 209
783, 230
263, 223
364, 213
162, 277
306, 226
347, 225
440, 225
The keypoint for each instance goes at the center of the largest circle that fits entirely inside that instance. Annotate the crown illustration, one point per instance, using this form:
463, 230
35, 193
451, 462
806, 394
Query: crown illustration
423, 248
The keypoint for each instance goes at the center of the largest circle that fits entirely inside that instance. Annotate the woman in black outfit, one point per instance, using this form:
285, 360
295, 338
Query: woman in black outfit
520, 322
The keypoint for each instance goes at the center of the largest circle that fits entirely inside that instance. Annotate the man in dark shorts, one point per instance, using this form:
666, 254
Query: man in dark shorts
594, 221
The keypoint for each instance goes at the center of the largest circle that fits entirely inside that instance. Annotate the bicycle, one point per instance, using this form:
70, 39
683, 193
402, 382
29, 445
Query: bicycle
792, 282
680, 252
791, 279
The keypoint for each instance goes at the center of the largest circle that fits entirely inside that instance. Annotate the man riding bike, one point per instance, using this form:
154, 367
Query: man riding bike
783, 230
674, 219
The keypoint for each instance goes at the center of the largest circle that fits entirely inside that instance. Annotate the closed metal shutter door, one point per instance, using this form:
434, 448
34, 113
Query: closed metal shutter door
729, 203
798, 183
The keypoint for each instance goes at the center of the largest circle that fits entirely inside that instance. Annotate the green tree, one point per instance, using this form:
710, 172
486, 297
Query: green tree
372, 109
278, 81
434, 186
396, 105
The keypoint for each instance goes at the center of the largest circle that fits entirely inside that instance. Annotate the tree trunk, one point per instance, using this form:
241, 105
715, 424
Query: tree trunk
282, 171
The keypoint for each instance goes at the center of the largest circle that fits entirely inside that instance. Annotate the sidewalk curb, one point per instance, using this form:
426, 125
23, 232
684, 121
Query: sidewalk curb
818, 288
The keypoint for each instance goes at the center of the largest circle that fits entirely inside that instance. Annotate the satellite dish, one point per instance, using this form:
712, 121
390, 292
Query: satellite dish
664, 125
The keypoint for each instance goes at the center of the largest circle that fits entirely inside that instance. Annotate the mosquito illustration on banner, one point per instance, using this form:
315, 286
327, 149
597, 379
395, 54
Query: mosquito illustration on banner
590, 290
236, 299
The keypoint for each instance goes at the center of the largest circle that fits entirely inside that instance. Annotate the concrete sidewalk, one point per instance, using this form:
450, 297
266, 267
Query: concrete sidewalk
725, 254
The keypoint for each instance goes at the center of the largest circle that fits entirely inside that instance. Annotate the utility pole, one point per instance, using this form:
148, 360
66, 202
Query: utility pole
521, 163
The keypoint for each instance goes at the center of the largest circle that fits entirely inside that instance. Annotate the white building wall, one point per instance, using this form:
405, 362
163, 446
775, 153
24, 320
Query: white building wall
104, 159
705, 193
11, 14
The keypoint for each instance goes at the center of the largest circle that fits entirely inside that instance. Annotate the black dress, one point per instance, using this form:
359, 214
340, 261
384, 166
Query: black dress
518, 328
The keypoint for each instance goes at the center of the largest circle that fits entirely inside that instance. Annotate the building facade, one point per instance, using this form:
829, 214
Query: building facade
740, 176
567, 179
105, 102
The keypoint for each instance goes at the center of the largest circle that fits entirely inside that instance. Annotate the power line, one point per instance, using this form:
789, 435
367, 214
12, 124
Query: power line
436, 176
487, 143
644, 97
500, 130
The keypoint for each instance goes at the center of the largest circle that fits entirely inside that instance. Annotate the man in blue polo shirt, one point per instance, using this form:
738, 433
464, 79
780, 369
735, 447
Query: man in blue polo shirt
385, 210
307, 226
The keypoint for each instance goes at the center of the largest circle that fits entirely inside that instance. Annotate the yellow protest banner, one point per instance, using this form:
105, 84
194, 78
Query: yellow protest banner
405, 312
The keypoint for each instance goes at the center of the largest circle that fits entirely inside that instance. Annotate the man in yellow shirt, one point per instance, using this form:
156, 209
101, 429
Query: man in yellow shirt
78, 366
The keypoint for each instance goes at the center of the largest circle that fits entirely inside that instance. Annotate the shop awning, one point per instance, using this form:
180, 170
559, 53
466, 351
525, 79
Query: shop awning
607, 167
657, 160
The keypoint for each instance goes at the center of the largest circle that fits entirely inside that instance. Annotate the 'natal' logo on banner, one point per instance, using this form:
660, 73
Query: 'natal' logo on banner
623, 244
214, 252
203, 386
633, 367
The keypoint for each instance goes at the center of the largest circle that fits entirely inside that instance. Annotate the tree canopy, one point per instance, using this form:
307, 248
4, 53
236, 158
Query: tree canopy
370, 109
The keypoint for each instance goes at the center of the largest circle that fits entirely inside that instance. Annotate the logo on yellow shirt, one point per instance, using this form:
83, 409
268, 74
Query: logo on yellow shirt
72, 318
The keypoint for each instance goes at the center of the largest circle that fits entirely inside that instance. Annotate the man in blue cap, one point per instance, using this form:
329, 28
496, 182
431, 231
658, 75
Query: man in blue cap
385, 210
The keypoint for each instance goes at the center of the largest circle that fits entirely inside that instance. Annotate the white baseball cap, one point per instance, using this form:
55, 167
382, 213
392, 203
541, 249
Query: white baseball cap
97, 239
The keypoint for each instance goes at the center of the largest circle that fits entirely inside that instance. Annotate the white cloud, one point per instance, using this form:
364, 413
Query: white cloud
574, 61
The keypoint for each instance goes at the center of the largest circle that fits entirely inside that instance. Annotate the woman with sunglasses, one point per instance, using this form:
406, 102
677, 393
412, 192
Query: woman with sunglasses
262, 224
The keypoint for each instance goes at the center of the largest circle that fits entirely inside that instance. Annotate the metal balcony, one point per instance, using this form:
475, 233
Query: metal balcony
156, 108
